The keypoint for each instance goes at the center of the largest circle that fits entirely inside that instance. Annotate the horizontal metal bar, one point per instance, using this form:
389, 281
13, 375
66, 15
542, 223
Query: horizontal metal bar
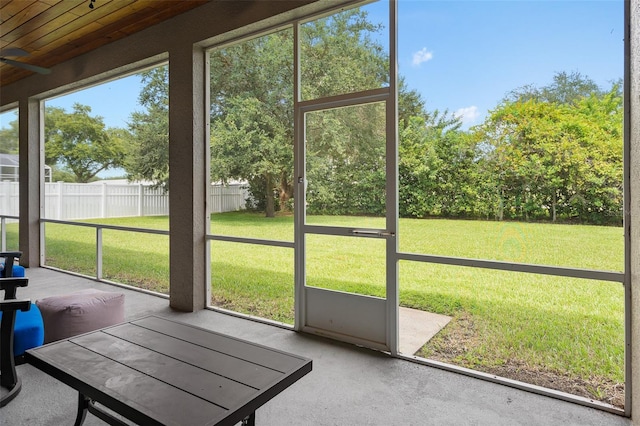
342, 231
112, 227
517, 267
350, 99
258, 241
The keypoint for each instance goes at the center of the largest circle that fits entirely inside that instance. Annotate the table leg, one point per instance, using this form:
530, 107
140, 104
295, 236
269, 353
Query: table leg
83, 405
250, 420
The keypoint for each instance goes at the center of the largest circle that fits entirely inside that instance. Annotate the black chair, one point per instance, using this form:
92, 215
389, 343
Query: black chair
8, 266
28, 331
10, 383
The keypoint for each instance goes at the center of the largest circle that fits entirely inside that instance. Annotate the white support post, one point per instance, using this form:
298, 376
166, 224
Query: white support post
60, 200
140, 200
3, 224
6, 197
103, 200
99, 253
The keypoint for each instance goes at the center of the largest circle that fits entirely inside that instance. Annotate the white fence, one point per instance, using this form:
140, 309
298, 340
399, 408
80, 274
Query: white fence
69, 201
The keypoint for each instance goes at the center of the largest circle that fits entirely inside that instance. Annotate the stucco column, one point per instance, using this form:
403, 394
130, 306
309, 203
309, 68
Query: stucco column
187, 183
632, 126
31, 127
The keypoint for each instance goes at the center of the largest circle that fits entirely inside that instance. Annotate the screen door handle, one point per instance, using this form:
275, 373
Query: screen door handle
371, 233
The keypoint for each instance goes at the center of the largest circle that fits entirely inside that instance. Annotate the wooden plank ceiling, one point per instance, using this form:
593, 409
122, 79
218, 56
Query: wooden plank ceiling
53, 31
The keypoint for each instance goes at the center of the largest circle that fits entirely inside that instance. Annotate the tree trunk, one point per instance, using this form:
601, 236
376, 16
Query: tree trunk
269, 205
285, 192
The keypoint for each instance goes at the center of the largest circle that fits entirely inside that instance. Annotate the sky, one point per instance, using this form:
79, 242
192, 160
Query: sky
465, 56
461, 56
113, 101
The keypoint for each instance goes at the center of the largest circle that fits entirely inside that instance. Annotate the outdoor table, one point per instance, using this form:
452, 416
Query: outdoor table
157, 371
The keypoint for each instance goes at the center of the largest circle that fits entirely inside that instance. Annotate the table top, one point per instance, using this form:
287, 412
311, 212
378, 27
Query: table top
157, 371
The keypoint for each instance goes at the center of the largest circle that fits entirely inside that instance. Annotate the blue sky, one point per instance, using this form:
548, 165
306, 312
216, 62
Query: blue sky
463, 56
113, 101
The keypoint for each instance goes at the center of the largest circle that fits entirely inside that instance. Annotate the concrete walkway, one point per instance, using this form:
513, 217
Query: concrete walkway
348, 385
417, 328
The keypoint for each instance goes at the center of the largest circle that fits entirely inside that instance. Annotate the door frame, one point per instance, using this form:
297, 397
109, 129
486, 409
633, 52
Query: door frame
381, 327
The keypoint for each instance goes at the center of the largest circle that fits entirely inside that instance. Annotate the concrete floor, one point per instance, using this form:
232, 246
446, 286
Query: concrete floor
417, 328
348, 385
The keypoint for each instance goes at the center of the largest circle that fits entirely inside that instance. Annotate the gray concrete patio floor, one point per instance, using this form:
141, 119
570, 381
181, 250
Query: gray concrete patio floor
348, 385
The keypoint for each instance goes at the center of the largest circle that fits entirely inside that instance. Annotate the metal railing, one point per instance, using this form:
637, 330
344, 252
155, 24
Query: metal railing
98, 241
3, 230
99, 228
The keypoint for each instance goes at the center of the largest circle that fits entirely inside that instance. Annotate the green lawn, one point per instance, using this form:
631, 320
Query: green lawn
571, 327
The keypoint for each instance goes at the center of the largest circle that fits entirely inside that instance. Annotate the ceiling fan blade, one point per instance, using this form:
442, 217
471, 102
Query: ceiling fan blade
29, 67
13, 51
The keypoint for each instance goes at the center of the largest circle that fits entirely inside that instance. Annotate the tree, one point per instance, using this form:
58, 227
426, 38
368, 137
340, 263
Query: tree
338, 56
148, 151
62, 175
80, 143
250, 144
600, 198
346, 151
345, 147
566, 89
9, 138
252, 94
439, 172
552, 159
252, 117
410, 104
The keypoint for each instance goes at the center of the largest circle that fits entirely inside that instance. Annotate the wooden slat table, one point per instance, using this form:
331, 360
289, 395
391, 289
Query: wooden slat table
156, 371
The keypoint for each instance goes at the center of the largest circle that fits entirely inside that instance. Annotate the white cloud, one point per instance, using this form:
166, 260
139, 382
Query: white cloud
468, 115
422, 55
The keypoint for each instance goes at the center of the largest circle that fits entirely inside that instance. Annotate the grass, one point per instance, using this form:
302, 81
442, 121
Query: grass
253, 279
137, 259
572, 328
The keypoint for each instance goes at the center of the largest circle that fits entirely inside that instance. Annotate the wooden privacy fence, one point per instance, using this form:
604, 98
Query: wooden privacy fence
68, 201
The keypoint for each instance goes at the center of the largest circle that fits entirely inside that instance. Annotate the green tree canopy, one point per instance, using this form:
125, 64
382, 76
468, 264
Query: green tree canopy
252, 95
249, 144
254, 79
148, 150
81, 143
438, 168
346, 160
252, 116
544, 153
9, 138
551, 160
566, 88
